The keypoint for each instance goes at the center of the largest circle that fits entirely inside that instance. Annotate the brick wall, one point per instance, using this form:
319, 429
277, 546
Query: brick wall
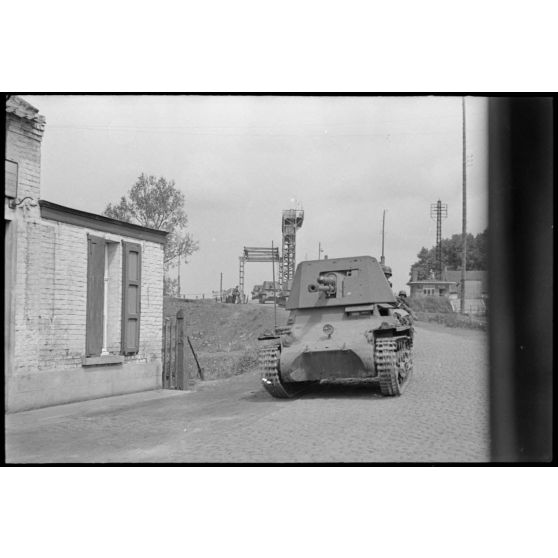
24, 131
51, 295
23, 146
47, 294
151, 302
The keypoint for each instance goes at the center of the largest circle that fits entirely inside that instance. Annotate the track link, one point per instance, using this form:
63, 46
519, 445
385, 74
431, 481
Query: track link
393, 363
268, 358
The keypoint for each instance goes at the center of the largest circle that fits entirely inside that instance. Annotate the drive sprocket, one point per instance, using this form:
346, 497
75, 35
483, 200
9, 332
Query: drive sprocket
268, 358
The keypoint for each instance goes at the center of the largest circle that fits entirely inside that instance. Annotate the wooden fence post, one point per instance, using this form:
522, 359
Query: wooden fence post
181, 376
165, 355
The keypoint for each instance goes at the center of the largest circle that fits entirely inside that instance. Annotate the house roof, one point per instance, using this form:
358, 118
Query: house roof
62, 214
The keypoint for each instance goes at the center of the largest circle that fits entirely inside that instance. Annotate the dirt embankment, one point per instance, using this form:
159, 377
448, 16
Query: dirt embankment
224, 336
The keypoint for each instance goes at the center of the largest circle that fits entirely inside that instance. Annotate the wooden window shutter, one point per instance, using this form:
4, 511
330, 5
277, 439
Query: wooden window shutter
95, 295
131, 297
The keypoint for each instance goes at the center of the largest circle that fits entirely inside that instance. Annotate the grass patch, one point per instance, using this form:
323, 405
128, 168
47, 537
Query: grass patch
246, 362
437, 304
454, 320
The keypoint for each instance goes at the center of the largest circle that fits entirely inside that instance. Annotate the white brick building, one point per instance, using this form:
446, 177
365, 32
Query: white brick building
83, 293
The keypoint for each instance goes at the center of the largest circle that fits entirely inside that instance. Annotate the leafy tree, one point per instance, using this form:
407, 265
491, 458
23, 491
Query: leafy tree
157, 203
477, 253
451, 255
425, 264
170, 286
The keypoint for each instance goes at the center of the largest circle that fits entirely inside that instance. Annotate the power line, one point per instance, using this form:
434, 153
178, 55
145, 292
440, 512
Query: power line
179, 131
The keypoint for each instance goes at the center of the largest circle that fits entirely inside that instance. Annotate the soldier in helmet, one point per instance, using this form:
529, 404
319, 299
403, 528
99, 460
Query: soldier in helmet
387, 272
401, 300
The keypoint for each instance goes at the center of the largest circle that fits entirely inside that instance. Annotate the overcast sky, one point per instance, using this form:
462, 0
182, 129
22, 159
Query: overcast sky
241, 160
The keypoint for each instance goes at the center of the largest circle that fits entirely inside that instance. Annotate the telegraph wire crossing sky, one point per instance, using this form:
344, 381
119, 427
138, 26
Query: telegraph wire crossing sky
241, 160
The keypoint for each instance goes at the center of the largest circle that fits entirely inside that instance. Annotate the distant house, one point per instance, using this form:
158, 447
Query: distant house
430, 287
84, 293
476, 282
476, 288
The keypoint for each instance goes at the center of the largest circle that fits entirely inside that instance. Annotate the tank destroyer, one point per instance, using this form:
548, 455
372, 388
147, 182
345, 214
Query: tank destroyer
344, 323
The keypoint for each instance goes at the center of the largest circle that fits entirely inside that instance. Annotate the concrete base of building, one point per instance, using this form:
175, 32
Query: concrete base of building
57, 386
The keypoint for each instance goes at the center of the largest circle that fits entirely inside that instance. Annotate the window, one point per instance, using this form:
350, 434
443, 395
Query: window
428, 291
113, 313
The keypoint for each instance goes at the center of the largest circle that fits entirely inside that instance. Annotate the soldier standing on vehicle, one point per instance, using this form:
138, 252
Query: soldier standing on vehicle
401, 300
387, 272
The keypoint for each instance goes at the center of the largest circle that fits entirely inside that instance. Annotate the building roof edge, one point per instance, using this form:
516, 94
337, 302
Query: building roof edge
63, 214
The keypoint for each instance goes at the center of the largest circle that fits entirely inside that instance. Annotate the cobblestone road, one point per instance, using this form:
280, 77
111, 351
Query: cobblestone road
442, 417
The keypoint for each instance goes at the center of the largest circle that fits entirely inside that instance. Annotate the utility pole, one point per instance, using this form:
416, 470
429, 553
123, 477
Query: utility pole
320, 250
464, 233
383, 259
221, 288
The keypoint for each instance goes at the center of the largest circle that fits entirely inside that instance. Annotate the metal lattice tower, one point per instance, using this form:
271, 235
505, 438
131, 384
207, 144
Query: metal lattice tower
439, 211
255, 254
291, 221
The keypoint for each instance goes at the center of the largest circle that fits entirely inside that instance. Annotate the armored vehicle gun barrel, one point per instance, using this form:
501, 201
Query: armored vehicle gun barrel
324, 283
